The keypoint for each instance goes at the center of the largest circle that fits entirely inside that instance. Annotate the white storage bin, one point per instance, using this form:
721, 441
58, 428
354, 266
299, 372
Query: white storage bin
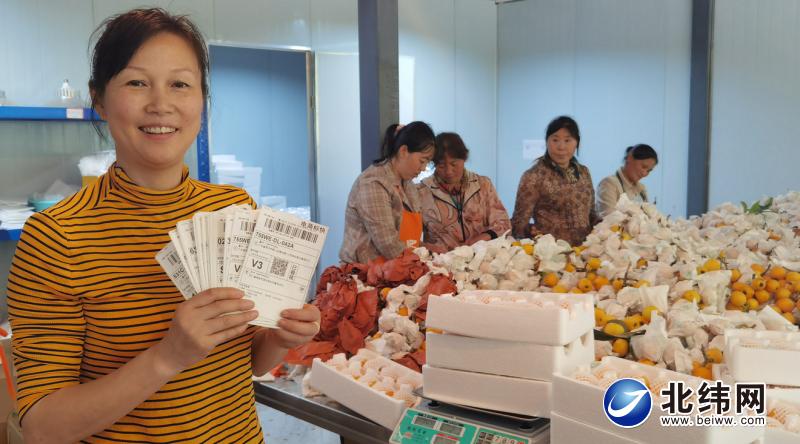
274, 202
772, 357
567, 431
583, 403
501, 393
372, 404
561, 319
507, 358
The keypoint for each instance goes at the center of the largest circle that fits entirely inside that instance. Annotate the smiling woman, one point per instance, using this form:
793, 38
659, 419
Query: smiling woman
106, 348
150, 89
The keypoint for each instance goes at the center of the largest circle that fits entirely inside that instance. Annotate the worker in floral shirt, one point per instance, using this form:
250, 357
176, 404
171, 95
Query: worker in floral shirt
556, 191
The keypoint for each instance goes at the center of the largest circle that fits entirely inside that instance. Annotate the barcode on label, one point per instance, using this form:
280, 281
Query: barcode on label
173, 259
247, 226
279, 267
439, 439
292, 231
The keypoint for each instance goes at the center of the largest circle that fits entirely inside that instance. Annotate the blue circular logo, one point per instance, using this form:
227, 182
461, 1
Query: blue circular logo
627, 403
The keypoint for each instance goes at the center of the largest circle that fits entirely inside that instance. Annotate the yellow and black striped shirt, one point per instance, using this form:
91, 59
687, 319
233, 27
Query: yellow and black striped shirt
86, 295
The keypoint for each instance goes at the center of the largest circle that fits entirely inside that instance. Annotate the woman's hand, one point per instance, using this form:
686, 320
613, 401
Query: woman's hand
201, 323
297, 326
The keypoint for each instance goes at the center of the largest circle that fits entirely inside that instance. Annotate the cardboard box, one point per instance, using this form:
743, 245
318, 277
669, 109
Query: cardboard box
502, 393
567, 431
372, 404
763, 364
583, 403
549, 325
506, 358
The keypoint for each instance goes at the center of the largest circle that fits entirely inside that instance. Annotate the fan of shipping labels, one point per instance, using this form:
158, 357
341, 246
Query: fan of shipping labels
268, 254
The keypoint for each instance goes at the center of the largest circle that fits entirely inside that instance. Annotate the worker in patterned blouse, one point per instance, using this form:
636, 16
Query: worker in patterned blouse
557, 191
383, 215
639, 162
459, 207
105, 346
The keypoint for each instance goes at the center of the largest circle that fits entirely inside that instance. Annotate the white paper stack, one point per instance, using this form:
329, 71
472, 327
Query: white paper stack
14, 214
499, 349
268, 254
227, 170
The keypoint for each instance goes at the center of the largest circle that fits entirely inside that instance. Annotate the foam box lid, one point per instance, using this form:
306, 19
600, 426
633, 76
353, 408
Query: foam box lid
550, 325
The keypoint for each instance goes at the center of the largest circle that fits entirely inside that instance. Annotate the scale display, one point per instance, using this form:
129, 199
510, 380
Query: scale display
417, 427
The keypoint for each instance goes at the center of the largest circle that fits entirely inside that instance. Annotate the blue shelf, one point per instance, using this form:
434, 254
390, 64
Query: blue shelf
9, 235
47, 113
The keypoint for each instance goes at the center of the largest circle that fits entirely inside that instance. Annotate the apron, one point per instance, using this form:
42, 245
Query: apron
641, 198
410, 231
411, 227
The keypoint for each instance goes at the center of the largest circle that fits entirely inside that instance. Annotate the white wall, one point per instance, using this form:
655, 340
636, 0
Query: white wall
45, 41
454, 47
619, 67
755, 121
453, 44
339, 147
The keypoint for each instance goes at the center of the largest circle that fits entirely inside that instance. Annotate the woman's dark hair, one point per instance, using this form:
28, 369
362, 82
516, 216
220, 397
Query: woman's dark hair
641, 152
452, 145
567, 123
120, 36
417, 136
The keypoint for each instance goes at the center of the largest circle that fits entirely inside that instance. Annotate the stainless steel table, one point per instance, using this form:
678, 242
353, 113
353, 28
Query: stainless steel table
286, 396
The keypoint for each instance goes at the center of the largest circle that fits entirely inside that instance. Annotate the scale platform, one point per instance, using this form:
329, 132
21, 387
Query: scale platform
435, 422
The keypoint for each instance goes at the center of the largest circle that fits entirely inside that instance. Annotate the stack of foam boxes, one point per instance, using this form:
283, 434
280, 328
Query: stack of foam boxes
771, 357
498, 350
579, 411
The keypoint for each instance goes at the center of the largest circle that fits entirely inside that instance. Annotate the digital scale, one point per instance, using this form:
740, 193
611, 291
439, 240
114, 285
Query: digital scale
434, 422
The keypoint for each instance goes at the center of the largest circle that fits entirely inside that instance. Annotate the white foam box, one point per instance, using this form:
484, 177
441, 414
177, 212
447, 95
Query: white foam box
372, 404
757, 364
508, 358
583, 402
502, 393
567, 431
550, 325
780, 436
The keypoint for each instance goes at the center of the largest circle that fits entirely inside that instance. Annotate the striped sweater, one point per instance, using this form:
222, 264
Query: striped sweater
86, 295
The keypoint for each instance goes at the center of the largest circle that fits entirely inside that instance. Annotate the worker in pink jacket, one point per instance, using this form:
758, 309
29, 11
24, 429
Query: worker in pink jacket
459, 207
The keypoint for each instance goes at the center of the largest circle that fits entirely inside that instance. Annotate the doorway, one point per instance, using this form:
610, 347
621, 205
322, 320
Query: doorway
261, 111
